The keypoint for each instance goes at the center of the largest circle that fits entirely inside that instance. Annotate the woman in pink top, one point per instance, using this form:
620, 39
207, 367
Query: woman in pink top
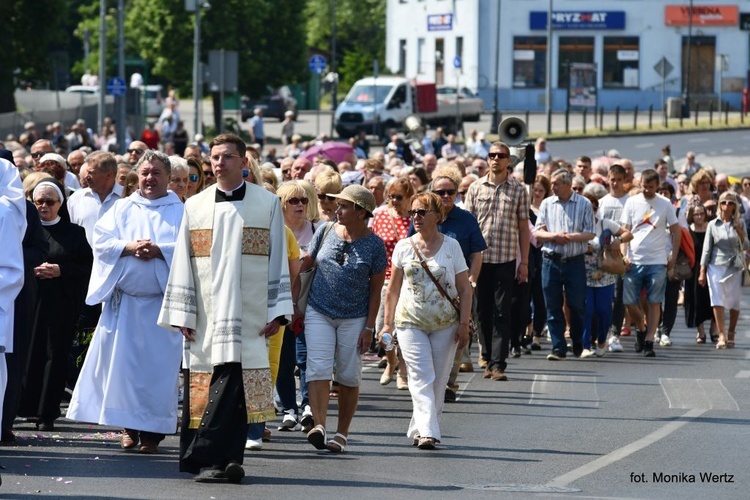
392, 225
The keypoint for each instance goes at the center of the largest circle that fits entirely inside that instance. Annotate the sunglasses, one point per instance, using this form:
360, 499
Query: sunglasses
45, 201
325, 197
285, 171
297, 201
444, 192
342, 253
37, 155
493, 156
578, 189
138, 151
193, 177
462, 193
396, 197
420, 212
208, 173
725, 202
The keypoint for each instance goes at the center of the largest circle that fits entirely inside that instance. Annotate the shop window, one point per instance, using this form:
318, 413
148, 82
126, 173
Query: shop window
621, 62
529, 61
573, 49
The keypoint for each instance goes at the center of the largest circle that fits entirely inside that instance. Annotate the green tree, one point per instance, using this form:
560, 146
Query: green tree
32, 29
360, 34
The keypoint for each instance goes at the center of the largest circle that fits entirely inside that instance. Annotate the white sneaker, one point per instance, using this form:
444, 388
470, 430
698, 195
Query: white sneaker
289, 422
307, 419
254, 444
665, 341
587, 353
614, 344
657, 338
600, 351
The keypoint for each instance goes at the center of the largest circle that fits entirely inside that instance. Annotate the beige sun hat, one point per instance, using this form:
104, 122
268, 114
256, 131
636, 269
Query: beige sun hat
359, 195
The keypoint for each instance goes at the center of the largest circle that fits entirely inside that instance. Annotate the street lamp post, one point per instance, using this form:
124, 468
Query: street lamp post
686, 93
548, 100
495, 104
196, 68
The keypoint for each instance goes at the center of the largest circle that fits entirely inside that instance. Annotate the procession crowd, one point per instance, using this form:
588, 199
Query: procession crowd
260, 279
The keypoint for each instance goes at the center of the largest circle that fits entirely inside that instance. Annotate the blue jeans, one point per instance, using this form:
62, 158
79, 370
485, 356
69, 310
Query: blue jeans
568, 278
285, 384
599, 303
302, 364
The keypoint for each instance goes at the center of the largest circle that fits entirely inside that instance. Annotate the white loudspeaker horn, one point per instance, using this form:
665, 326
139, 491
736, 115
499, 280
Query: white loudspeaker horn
512, 131
414, 132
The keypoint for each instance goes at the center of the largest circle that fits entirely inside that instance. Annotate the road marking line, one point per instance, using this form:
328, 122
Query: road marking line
626, 450
743, 374
645, 145
564, 391
698, 394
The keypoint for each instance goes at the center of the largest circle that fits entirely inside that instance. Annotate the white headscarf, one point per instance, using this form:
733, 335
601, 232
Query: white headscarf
11, 192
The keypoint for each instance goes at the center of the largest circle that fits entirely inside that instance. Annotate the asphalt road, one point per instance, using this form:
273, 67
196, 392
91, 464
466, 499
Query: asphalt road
594, 428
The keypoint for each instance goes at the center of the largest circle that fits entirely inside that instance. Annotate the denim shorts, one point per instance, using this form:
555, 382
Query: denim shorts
651, 277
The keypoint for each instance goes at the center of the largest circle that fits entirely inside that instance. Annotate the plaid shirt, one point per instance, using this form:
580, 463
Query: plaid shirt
498, 209
573, 216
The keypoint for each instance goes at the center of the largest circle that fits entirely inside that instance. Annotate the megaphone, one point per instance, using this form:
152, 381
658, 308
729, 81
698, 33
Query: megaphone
414, 132
512, 131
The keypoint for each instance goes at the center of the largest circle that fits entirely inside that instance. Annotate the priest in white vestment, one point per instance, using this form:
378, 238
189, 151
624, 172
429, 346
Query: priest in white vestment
130, 375
12, 230
228, 290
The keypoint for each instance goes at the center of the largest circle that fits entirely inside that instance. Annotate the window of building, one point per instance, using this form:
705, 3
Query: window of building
420, 56
573, 49
529, 61
621, 62
402, 56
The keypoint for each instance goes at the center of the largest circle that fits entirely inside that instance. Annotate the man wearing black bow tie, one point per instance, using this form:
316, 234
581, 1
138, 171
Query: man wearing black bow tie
228, 290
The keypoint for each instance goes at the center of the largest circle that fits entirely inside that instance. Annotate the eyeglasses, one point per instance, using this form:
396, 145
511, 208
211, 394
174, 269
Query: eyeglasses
395, 197
45, 201
285, 172
493, 156
325, 197
225, 157
137, 151
444, 192
462, 193
193, 177
420, 212
297, 201
578, 189
38, 154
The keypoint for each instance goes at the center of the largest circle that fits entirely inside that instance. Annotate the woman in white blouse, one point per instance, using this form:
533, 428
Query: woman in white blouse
428, 327
722, 265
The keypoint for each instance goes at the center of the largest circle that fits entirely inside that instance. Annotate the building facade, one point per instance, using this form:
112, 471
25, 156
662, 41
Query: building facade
606, 53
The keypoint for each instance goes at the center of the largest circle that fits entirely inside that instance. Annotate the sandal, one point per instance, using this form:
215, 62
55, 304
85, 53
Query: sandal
700, 339
426, 443
714, 338
415, 440
337, 447
721, 345
317, 437
730, 340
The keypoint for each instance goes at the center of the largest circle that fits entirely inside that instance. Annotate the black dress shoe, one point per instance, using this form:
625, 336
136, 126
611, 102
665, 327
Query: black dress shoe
46, 425
234, 472
211, 476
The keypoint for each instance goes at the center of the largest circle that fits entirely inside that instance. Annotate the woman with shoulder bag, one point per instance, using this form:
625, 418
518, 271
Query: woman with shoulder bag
429, 303
600, 284
722, 265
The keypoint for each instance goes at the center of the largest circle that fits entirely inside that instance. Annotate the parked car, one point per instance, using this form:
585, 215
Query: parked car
154, 100
83, 89
274, 104
471, 106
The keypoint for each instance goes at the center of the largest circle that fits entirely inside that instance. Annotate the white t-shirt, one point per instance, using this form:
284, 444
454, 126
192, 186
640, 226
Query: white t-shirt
420, 303
649, 221
611, 207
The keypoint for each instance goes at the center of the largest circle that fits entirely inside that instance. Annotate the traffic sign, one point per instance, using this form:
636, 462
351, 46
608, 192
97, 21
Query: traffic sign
457, 62
317, 64
663, 67
116, 87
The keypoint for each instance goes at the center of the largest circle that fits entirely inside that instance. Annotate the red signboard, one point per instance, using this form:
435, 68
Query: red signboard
703, 15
